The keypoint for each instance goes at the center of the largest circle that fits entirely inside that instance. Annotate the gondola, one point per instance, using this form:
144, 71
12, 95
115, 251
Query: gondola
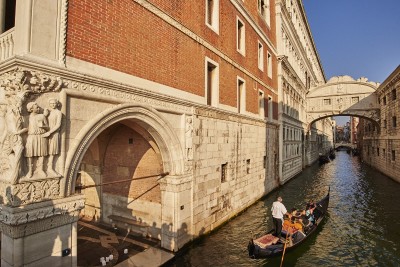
268, 245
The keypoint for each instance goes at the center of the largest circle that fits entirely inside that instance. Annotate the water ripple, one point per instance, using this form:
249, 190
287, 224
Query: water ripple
362, 227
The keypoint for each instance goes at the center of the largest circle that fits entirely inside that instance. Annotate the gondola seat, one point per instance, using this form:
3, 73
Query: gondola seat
266, 241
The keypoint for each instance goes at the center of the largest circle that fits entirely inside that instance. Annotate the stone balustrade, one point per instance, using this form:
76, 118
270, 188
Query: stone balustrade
6, 45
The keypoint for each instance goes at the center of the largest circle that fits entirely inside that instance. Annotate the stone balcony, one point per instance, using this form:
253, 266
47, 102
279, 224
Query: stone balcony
6, 45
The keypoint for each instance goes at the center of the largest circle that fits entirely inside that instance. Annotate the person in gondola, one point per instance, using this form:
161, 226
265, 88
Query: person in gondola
278, 211
309, 213
311, 204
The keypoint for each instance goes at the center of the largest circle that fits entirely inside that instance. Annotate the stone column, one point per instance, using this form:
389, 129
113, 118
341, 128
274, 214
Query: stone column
2, 15
176, 211
41, 233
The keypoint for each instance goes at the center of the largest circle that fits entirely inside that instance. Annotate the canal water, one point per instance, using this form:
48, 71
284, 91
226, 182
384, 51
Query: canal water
362, 227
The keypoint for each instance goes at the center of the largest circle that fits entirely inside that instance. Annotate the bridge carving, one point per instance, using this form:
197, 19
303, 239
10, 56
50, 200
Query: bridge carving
343, 96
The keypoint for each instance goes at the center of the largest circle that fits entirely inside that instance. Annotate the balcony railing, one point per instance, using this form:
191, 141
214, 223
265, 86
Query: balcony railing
7, 45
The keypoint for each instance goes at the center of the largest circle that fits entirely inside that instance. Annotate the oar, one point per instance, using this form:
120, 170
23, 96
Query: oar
284, 247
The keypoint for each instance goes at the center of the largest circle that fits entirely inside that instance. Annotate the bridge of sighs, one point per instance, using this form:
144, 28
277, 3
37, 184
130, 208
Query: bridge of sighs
343, 96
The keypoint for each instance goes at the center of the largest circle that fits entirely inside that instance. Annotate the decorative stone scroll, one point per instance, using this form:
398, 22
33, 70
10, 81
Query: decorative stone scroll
15, 88
28, 192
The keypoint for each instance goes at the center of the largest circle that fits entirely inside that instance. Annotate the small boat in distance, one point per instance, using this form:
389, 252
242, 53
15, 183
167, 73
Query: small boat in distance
322, 159
268, 245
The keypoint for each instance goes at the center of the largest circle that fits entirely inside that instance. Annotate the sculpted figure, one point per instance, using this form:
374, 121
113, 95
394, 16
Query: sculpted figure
36, 143
53, 134
11, 142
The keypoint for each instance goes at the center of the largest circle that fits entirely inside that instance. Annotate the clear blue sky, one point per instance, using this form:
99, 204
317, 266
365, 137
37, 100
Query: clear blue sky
359, 38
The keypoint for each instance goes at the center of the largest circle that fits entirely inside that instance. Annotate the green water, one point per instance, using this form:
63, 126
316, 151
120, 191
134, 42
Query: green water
362, 227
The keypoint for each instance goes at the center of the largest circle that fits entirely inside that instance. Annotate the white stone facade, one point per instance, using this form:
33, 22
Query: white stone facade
299, 70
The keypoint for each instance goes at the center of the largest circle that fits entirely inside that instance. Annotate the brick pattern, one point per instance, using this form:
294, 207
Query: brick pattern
124, 161
124, 36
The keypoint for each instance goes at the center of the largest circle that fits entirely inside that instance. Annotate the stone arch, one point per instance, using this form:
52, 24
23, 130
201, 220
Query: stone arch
148, 118
343, 96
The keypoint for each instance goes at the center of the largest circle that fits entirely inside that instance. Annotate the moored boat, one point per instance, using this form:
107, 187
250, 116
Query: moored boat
268, 245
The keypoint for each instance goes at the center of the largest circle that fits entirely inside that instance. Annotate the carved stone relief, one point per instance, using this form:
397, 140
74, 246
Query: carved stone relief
27, 141
189, 138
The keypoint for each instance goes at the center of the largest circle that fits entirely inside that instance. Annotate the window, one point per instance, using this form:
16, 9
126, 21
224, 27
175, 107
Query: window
8, 15
384, 124
212, 83
384, 153
270, 108
394, 96
212, 14
355, 99
241, 95
269, 64
394, 121
265, 162
261, 101
264, 10
393, 155
224, 172
327, 102
248, 166
240, 35
384, 100
377, 151
260, 56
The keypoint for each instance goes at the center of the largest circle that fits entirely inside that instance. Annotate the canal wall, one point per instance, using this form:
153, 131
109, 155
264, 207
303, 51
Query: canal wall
234, 165
380, 144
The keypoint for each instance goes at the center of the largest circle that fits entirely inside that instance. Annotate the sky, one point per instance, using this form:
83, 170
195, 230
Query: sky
359, 38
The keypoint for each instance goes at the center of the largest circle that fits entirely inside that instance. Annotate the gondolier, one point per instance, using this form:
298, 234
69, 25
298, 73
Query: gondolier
278, 211
268, 245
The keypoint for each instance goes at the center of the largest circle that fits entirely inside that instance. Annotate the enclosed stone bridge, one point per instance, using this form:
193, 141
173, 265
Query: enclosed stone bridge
345, 145
343, 96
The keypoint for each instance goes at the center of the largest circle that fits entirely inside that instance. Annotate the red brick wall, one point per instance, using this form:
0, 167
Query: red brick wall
124, 36
139, 158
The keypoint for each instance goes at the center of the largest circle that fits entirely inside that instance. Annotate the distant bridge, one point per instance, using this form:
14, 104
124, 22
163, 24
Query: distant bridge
343, 96
345, 145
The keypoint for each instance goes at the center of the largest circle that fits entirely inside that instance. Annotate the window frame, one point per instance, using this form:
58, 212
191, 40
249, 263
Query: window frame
214, 90
214, 17
240, 36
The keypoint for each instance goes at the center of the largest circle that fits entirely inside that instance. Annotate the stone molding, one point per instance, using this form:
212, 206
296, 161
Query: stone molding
37, 217
128, 96
63, 32
161, 130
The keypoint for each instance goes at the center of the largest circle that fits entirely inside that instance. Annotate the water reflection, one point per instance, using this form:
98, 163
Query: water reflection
362, 227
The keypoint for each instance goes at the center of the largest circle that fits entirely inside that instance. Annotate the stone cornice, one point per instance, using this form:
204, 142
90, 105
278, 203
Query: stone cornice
34, 218
393, 78
292, 30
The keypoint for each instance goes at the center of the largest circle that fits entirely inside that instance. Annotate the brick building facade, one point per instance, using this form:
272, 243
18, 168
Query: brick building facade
179, 96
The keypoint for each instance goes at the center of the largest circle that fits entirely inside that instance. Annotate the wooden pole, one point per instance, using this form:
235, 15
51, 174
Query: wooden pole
288, 234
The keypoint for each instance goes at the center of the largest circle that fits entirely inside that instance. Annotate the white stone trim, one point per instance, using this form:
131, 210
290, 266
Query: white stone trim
94, 70
215, 83
240, 43
215, 16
